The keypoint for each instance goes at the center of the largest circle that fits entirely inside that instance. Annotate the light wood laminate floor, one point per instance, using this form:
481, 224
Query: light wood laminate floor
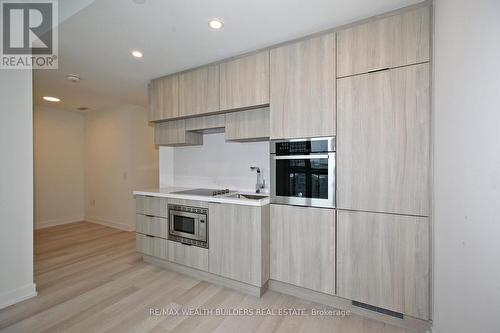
90, 279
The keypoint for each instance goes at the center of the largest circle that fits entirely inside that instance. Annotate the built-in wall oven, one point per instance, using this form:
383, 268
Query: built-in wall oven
188, 225
303, 172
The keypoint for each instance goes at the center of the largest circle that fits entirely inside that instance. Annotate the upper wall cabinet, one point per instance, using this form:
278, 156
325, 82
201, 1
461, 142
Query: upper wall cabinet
244, 82
302, 102
174, 133
199, 91
248, 125
164, 98
383, 141
384, 43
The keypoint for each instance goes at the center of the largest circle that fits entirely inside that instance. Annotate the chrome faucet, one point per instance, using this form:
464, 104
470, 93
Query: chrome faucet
261, 183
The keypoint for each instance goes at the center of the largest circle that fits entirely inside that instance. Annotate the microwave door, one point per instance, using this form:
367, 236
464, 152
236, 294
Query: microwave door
184, 224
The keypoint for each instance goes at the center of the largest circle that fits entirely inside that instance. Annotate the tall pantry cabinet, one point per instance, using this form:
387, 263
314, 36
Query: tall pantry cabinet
383, 162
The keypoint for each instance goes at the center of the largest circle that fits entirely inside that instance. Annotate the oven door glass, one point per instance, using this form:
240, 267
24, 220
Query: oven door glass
184, 224
302, 178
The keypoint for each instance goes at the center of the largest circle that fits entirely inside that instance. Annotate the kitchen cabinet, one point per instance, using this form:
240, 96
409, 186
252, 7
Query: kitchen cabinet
151, 246
206, 124
249, 125
383, 141
302, 100
303, 247
398, 40
164, 98
174, 133
153, 206
244, 82
239, 242
383, 260
199, 91
151, 225
187, 255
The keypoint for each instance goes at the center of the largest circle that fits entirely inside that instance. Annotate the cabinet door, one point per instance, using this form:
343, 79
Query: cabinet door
303, 247
303, 88
389, 42
383, 147
199, 91
383, 260
249, 125
239, 242
244, 82
174, 133
164, 98
187, 255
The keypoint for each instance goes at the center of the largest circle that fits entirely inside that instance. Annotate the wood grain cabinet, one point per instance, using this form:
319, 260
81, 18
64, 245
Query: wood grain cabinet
191, 256
303, 247
164, 98
152, 206
302, 100
151, 246
393, 41
249, 125
239, 242
174, 133
383, 141
244, 82
199, 91
383, 260
151, 225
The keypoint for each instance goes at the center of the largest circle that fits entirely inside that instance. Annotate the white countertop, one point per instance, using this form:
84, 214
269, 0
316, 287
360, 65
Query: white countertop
167, 192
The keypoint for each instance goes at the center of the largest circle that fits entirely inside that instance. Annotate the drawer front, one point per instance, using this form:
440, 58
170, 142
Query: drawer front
155, 206
191, 256
152, 225
152, 246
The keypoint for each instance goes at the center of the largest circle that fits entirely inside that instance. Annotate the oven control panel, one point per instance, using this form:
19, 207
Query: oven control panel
303, 147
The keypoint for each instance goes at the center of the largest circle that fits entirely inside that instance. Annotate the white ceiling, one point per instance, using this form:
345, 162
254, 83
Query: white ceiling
96, 42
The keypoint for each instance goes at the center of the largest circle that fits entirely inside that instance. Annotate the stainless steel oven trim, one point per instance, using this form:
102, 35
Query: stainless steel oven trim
331, 143
195, 216
312, 156
313, 202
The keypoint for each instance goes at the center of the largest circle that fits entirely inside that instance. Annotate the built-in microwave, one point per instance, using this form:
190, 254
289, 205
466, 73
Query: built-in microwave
303, 172
188, 225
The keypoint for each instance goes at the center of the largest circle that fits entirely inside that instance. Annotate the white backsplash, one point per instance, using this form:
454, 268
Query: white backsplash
216, 164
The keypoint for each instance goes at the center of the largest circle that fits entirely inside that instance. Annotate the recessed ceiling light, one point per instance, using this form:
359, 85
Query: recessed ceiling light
73, 78
51, 99
137, 54
215, 23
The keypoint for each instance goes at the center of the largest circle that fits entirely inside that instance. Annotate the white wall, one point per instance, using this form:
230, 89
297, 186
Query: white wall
59, 166
467, 166
215, 164
119, 157
16, 187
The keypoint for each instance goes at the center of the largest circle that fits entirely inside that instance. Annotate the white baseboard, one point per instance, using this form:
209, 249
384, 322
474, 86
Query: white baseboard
17, 295
112, 224
51, 223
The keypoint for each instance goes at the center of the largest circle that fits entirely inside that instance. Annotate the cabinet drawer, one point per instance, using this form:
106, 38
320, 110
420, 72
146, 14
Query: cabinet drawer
187, 255
151, 225
154, 206
153, 246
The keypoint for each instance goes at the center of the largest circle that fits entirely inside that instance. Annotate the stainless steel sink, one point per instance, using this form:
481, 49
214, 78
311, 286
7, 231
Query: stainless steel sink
249, 196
